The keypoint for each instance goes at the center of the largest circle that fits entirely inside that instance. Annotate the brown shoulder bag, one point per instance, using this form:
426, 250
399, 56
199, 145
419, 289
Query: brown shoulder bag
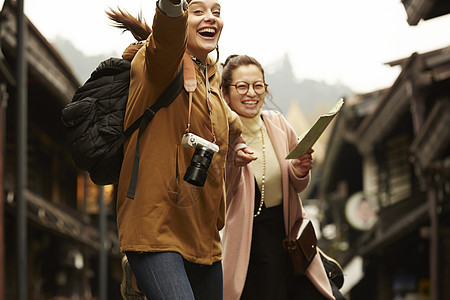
301, 244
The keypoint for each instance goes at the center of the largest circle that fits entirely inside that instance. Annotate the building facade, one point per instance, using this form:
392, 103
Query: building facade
69, 231
385, 185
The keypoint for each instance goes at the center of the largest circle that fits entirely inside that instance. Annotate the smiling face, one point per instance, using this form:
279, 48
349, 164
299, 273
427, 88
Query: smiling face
204, 27
249, 104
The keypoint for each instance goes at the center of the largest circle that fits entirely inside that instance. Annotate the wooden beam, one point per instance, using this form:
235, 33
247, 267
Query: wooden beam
42, 59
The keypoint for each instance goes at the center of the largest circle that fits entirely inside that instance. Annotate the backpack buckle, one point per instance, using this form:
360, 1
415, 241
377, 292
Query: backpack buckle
149, 112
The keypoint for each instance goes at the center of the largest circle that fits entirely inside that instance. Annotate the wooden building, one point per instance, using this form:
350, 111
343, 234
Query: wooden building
425, 9
385, 185
64, 244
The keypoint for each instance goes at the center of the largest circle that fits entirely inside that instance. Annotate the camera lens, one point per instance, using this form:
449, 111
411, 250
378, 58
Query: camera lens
197, 172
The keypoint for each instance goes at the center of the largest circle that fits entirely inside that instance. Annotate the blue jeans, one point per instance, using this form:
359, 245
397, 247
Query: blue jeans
167, 275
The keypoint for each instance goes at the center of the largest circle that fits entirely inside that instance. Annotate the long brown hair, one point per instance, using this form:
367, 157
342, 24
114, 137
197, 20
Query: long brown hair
136, 25
124, 20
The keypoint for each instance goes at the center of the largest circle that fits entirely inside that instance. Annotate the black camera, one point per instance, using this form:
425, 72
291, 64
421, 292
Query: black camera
197, 171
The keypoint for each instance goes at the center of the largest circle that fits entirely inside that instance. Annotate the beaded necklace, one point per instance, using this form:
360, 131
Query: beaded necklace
263, 179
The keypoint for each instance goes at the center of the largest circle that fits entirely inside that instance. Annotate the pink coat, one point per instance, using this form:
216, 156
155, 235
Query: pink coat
240, 190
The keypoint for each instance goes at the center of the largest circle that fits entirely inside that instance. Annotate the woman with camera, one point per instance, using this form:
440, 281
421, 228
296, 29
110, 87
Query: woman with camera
260, 195
169, 223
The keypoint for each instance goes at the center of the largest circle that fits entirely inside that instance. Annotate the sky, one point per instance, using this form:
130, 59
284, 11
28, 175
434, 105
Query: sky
335, 41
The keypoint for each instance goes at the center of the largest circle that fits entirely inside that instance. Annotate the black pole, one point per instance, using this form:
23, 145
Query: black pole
3, 100
434, 239
22, 136
103, 265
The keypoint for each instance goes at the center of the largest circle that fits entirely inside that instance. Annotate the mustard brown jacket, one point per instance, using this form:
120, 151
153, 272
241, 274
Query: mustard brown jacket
167, 213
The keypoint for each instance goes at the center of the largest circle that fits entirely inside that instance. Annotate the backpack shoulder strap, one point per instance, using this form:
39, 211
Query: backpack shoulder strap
164, 100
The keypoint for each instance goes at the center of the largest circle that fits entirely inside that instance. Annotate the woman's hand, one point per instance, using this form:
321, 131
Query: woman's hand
243, 157
303, 164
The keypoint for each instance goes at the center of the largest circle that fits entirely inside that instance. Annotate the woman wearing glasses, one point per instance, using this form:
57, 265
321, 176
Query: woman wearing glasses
255, 265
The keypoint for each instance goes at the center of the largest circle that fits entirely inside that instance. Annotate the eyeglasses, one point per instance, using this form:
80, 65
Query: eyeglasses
242, 87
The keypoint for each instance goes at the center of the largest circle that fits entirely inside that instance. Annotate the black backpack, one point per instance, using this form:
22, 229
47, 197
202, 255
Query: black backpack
94, 121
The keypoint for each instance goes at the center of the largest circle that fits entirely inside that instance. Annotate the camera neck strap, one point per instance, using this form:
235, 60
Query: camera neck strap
190, 86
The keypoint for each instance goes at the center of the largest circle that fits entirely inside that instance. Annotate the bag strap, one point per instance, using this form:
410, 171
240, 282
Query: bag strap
190, 84
164, 100
289, 219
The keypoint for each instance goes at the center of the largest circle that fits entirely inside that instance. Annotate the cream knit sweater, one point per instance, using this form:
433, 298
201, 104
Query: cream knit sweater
273, 194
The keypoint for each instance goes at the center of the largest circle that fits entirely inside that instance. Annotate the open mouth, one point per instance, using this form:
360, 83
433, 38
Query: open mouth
207, 32
250, 102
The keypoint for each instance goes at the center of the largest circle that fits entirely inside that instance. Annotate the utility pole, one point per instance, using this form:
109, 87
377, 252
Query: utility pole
103, 257
22, 137
3, 96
